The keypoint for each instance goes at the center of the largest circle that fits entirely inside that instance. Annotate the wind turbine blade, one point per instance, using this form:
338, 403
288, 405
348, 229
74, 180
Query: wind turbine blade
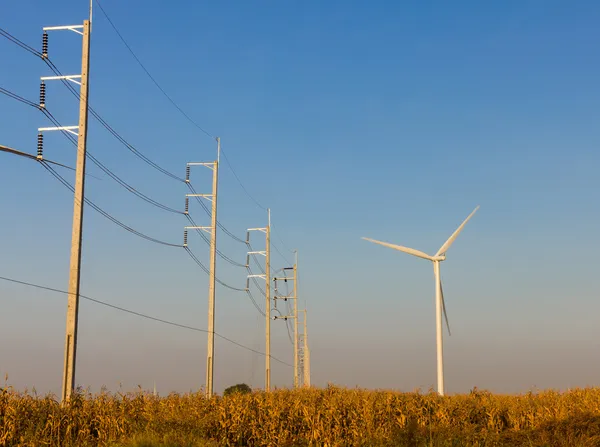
410, 251
444, 307
451, 239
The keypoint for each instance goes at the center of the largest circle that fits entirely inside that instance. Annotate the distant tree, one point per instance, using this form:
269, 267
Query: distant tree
239, 388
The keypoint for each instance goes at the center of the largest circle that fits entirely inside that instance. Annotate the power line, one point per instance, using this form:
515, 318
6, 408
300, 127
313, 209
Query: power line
240, 181
207, 271
18, 98
104, 213
110, 173
56, 71
177, 106
219, 252
20, 43
148, 73
129, 146
219, 224
108, 127
139, 314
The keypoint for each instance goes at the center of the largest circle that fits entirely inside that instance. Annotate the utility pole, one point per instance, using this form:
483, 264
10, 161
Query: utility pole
294, 316
306, 354
266, 276
212, 230
268, 306
68, 382
75, 264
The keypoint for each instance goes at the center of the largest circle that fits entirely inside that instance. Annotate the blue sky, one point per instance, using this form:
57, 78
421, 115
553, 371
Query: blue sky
383, 119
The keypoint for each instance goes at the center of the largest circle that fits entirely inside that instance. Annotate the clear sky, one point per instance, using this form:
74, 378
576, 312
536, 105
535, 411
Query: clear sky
391, 120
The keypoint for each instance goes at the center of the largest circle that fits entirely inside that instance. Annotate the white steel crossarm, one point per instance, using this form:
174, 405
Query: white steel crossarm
209, 230
208, 197
69, 129
264, 253
67, 77
210, 165
258, 276
74, 28
264, 230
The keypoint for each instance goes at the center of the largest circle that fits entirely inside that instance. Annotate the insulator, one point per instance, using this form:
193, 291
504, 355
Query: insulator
42, 94
45, 45
187, 174
187, 205
185, 238
40, 146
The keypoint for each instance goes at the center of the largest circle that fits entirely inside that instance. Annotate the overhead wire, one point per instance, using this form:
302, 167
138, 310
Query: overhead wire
65, 183
109, 128
207, 240
103, 122
55, 69
180, 109
142, 315
209, 212
108, 172
203, 267
18, 98
20, 43
104, 213
148, 73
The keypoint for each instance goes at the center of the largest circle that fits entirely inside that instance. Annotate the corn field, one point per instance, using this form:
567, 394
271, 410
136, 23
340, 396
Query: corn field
308, 417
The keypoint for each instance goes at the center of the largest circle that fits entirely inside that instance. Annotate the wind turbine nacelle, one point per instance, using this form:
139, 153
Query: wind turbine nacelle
439, 258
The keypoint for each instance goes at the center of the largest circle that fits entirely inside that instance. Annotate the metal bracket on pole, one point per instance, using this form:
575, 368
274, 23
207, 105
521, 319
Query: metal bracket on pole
69, 129
67, 77
73, 28
208, 230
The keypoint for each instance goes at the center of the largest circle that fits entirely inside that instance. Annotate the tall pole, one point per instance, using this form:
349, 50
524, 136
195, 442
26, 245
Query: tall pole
75, 263
438, 326
268, 306
210, 350
306, 355
296, 373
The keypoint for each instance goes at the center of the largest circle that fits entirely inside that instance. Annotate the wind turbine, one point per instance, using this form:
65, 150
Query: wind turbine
440, 305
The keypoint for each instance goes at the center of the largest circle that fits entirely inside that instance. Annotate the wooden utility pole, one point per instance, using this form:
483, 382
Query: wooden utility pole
75, 263
210, 350
268, 306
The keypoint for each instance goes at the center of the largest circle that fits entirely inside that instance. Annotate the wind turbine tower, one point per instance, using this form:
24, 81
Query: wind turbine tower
440, 305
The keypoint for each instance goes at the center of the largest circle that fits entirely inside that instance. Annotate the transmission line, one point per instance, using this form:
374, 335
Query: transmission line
148, 73
139, 314
219, 224
110, 173
177, 106
18, 98
207, 271
104, 213
20, 43
108, 127
219, 252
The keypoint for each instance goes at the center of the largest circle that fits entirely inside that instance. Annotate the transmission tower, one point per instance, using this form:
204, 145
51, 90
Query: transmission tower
68, 382
212, 231
266, 277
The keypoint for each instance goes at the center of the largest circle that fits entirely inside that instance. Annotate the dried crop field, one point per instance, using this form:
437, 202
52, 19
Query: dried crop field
328, 417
